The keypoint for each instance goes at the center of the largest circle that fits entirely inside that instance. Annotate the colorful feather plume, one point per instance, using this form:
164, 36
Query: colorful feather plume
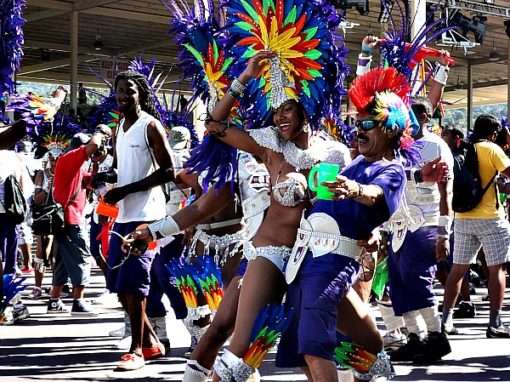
200, 276
403, 55
353, 356
271, 322
184, 282
207, 275
378, 80
383, 94
107, 112
12, 285
11, 42
204, 60
202, 54
309, 54
35, 110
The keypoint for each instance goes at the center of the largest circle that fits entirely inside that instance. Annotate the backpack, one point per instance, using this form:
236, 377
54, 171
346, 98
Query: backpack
48, 217
468, 190
15, 204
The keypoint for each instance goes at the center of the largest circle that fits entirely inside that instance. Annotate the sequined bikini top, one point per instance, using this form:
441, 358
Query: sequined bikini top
288, 193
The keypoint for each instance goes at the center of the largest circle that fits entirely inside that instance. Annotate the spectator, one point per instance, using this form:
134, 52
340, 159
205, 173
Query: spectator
143, 161
453, 137
10, 165
485, 227
72, 243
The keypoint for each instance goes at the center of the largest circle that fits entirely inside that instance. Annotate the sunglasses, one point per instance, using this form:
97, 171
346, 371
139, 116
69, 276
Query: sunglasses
367, 124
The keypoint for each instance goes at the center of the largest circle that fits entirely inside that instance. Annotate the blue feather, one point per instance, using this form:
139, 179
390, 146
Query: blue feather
11, 287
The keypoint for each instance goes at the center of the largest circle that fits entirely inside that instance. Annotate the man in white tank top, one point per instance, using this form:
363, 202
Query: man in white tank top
143, 162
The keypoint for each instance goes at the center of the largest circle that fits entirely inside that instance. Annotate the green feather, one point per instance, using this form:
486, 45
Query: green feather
253, 14
313, 54
305, 88
291, 17
315, 73
195, 53
227, 63
310, 32
215, 50
244, 26
265, 5
250, 52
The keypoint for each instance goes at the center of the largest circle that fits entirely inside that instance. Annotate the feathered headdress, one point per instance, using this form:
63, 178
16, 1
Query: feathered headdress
404, 55
309, 65
202, 56
107, 111
383, 93
11, 42
204, 59
54, 137
36, 110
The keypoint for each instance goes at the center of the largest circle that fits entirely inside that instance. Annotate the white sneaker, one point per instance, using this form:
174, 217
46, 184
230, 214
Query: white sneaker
118, 332
103, 298
123, 344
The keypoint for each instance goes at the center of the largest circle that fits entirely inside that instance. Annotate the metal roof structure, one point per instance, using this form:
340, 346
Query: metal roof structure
131, 27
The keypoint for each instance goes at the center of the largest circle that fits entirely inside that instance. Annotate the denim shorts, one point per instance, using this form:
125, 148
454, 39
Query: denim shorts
74, 256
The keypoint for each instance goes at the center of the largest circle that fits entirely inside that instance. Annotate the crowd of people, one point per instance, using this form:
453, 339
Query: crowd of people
273, 220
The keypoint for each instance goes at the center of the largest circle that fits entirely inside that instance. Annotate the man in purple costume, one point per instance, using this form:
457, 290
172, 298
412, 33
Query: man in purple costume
370, 189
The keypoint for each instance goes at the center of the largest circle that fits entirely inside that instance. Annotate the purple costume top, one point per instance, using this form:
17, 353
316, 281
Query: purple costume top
388, 175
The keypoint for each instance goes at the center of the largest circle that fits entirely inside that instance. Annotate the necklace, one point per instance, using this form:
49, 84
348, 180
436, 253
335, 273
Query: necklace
300, 159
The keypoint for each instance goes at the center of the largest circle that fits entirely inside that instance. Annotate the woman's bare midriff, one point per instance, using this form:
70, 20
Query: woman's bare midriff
280, 226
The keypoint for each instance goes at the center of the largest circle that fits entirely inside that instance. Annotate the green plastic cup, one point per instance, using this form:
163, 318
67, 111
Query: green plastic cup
324, 172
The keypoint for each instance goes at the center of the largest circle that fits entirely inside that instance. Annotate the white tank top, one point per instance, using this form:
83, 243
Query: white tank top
135, 161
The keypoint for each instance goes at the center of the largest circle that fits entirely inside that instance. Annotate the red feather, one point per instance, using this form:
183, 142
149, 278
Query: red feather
364, 87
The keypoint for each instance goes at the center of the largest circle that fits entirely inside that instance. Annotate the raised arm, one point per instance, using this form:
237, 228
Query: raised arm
439, 81
217, 124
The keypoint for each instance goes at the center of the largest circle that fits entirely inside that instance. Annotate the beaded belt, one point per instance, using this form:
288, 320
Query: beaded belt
220, 244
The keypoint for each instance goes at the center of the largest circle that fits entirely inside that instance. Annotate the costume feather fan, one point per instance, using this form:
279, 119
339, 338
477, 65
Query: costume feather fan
310, 55
11, 42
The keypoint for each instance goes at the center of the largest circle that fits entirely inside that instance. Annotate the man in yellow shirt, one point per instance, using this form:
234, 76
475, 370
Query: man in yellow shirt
484, 226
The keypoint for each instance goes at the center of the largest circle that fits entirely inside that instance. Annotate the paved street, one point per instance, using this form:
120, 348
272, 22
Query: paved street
61, 348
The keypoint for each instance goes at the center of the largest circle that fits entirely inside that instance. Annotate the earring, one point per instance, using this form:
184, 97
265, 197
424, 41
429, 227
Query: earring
306, 128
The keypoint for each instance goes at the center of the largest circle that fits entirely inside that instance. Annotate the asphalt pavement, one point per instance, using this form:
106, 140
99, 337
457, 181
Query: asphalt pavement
63, 348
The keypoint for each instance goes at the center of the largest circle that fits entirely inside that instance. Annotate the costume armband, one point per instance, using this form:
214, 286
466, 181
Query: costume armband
164, 227
363, 64
444, 226
441, 74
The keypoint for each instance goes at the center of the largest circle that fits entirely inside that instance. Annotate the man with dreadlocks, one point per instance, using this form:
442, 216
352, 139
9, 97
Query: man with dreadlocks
143, 161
